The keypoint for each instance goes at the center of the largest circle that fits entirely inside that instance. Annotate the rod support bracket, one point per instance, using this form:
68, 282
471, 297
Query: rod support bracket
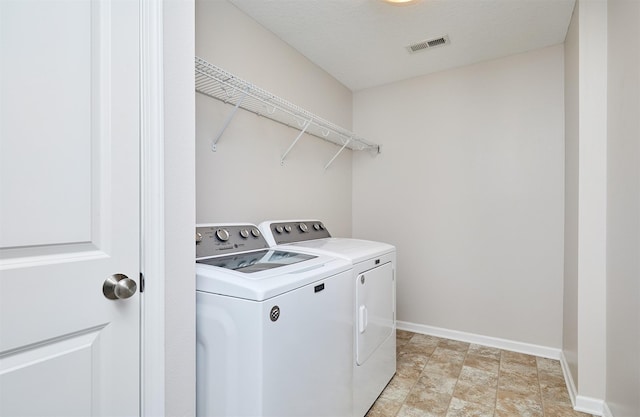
304, 129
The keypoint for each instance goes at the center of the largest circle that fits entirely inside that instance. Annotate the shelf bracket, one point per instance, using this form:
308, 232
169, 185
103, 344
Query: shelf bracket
338, 153
304, 129
214, 142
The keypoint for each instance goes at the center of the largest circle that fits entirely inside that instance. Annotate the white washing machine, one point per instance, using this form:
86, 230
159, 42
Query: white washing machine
274, 327
373, 282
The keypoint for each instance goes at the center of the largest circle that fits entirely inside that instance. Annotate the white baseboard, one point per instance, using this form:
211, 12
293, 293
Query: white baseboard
521, 347
589, 405
582, 403
568, 379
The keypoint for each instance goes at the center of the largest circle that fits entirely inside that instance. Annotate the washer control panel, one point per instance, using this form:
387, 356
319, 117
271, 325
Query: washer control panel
213, 240
298, 231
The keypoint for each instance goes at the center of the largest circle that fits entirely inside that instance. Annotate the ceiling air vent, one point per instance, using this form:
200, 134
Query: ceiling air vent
428, 44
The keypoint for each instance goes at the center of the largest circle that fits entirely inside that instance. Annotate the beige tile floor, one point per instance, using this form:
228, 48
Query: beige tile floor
445, 378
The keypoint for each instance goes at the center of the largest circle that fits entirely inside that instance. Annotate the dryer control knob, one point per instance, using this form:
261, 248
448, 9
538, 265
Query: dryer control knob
222, 235
303, 227
244, 233
255, 232
287, 228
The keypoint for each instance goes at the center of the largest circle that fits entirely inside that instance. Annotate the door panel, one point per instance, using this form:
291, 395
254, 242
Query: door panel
69, 206
375, 310
57, 370
46, 122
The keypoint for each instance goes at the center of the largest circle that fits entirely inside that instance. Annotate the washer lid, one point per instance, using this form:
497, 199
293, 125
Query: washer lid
251, 262
265, 275
356, 250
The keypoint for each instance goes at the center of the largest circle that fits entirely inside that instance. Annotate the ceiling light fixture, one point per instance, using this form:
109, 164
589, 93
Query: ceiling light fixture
401, 2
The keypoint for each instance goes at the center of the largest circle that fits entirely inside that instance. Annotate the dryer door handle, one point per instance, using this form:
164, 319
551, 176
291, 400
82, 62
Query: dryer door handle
363, 319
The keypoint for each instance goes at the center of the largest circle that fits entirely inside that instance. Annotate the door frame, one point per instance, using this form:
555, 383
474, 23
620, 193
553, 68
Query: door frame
167, 207
152, 322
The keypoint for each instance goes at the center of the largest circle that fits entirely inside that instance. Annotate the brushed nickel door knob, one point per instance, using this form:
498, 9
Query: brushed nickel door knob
119, 287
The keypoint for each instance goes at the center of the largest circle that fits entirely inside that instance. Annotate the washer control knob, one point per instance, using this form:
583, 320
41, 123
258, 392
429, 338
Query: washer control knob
199, 237
244, 233
279, 229
303, 227
316, 226
287, 228
255, 232
222, 235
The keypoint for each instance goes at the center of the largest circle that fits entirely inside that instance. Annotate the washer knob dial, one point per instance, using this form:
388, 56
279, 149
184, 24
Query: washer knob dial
316, 226
279, 229
222, 235
255, 232
244, 233
303, 227
287, 228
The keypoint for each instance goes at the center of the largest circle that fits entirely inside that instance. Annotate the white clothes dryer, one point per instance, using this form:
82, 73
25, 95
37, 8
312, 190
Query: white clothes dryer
273, 327
373, 282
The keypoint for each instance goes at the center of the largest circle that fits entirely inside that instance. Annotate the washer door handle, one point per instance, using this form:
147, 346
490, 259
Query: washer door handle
363, 318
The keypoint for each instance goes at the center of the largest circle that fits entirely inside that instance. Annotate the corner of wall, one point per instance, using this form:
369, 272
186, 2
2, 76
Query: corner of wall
179, 208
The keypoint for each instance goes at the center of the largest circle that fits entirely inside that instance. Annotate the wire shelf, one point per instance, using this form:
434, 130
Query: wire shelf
219, 84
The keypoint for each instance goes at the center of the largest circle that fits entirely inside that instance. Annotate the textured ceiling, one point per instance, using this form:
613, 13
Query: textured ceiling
362, 43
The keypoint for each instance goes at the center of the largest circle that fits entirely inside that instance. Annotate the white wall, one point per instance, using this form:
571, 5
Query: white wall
243, 180
570, 293
623, 210
586, 235
592, 171
469, 187
179, 210
602, 293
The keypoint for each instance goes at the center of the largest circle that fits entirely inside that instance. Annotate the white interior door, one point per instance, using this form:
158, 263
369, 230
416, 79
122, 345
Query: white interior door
69, 207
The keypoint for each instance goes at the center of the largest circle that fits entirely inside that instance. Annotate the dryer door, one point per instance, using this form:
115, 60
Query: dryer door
374, 310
